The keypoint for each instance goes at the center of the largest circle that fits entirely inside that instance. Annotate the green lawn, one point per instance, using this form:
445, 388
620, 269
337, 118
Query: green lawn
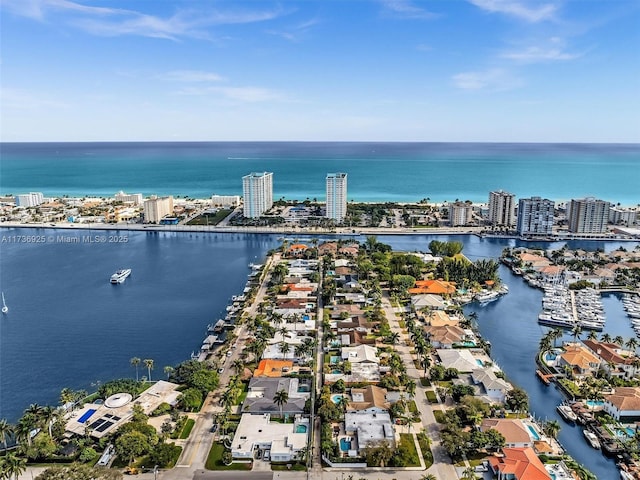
295, 467
186, 430
425, 446
439, 415
408, 455
431, 396
412, 406
210, 219
214, 460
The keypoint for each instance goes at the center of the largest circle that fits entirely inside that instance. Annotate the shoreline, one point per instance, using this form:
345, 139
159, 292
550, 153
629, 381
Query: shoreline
346, 231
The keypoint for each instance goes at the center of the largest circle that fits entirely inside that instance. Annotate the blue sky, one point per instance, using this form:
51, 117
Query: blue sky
334, 70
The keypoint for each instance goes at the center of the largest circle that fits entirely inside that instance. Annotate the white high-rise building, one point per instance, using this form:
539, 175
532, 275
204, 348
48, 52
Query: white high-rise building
336, 196
502, 209
622, 216
588, 215
156, 208
257, 191
32, 199
535, 216
460, 214
134, 198
225, 200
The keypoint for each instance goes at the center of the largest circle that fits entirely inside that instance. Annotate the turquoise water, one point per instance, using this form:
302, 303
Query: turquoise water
345, 445
595, 403
534, 434
377, 171
336, 398
333, 359
301, 429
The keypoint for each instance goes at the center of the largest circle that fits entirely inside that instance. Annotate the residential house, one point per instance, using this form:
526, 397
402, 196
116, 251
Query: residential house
445, 336
460, 359
495, 388
369, 428
273, 368
370, 399
256, 432
623, 404
427, 301
580, 359
514, 431
435, 287
616, 361
262, 391
518, 464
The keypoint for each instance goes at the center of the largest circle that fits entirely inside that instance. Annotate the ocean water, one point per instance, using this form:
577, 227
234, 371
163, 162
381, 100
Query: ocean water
403, 172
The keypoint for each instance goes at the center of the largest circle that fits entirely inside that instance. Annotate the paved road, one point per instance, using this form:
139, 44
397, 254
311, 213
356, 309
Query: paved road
442, 467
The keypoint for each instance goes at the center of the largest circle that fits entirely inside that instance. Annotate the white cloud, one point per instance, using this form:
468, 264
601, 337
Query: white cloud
495, 79
19, 99
191, 76
406, 9
241, 94
539, 54
110, 22
296, 32
530, 11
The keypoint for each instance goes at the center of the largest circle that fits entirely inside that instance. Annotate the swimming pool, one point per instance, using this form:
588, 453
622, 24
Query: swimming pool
301, 429
336, 398
594, 403
334, 359
625, 432
306, 317
480, 362
534, 434
345, 445
86, 415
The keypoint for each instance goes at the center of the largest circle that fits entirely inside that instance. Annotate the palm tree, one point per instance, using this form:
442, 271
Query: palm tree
618, 340
148, 362
66, 396
49, 416
551, 428
469, 474
135, 361
6, 429
428, 476
592, 335
284, 349
632, 344
576, 331
14, 465
606, 338
425, 362
238, 366
556, 334
394, 338
280, 398
168, 370
226, 399
411, 387
23, 429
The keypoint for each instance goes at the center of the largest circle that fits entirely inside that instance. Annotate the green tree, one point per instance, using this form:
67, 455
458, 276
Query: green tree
13, 465
148, 362
191, 399
77, 471
517, 400
164, 454
551, 428
135, 361
131, 445
6, 430
281, 398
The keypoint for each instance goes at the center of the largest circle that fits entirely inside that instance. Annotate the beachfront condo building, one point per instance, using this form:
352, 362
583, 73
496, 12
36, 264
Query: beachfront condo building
460, 214
623, 216
257, 191
156, 208
134, 198
502, 209
535, 216
588, 215
225, 200
32, 199
336, 196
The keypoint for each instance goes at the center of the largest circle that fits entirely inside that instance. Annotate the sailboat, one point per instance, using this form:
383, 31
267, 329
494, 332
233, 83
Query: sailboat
5, 309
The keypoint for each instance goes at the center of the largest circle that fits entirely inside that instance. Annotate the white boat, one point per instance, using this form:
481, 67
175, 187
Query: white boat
591, 438
566, 413
120, 276
487, 297
5, 309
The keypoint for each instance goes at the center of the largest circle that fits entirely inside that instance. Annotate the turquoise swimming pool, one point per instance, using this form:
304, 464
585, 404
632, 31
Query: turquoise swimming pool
345, 445
534, 434
301, 429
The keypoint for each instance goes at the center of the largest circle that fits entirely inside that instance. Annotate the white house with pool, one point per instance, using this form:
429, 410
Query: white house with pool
258, 434
100, 419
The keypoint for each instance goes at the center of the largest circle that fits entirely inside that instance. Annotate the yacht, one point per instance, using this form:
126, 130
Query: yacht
566, 413
120, 276
5, 309
487, 297
591, 438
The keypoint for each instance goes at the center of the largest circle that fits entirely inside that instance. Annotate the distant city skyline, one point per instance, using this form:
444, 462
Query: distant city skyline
387, 70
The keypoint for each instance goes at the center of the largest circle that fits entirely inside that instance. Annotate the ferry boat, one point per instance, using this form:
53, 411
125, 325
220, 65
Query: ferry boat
120, 276
566, 413
591, 438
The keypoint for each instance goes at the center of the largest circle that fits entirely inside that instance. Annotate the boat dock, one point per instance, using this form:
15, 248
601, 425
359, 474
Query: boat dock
546, 378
